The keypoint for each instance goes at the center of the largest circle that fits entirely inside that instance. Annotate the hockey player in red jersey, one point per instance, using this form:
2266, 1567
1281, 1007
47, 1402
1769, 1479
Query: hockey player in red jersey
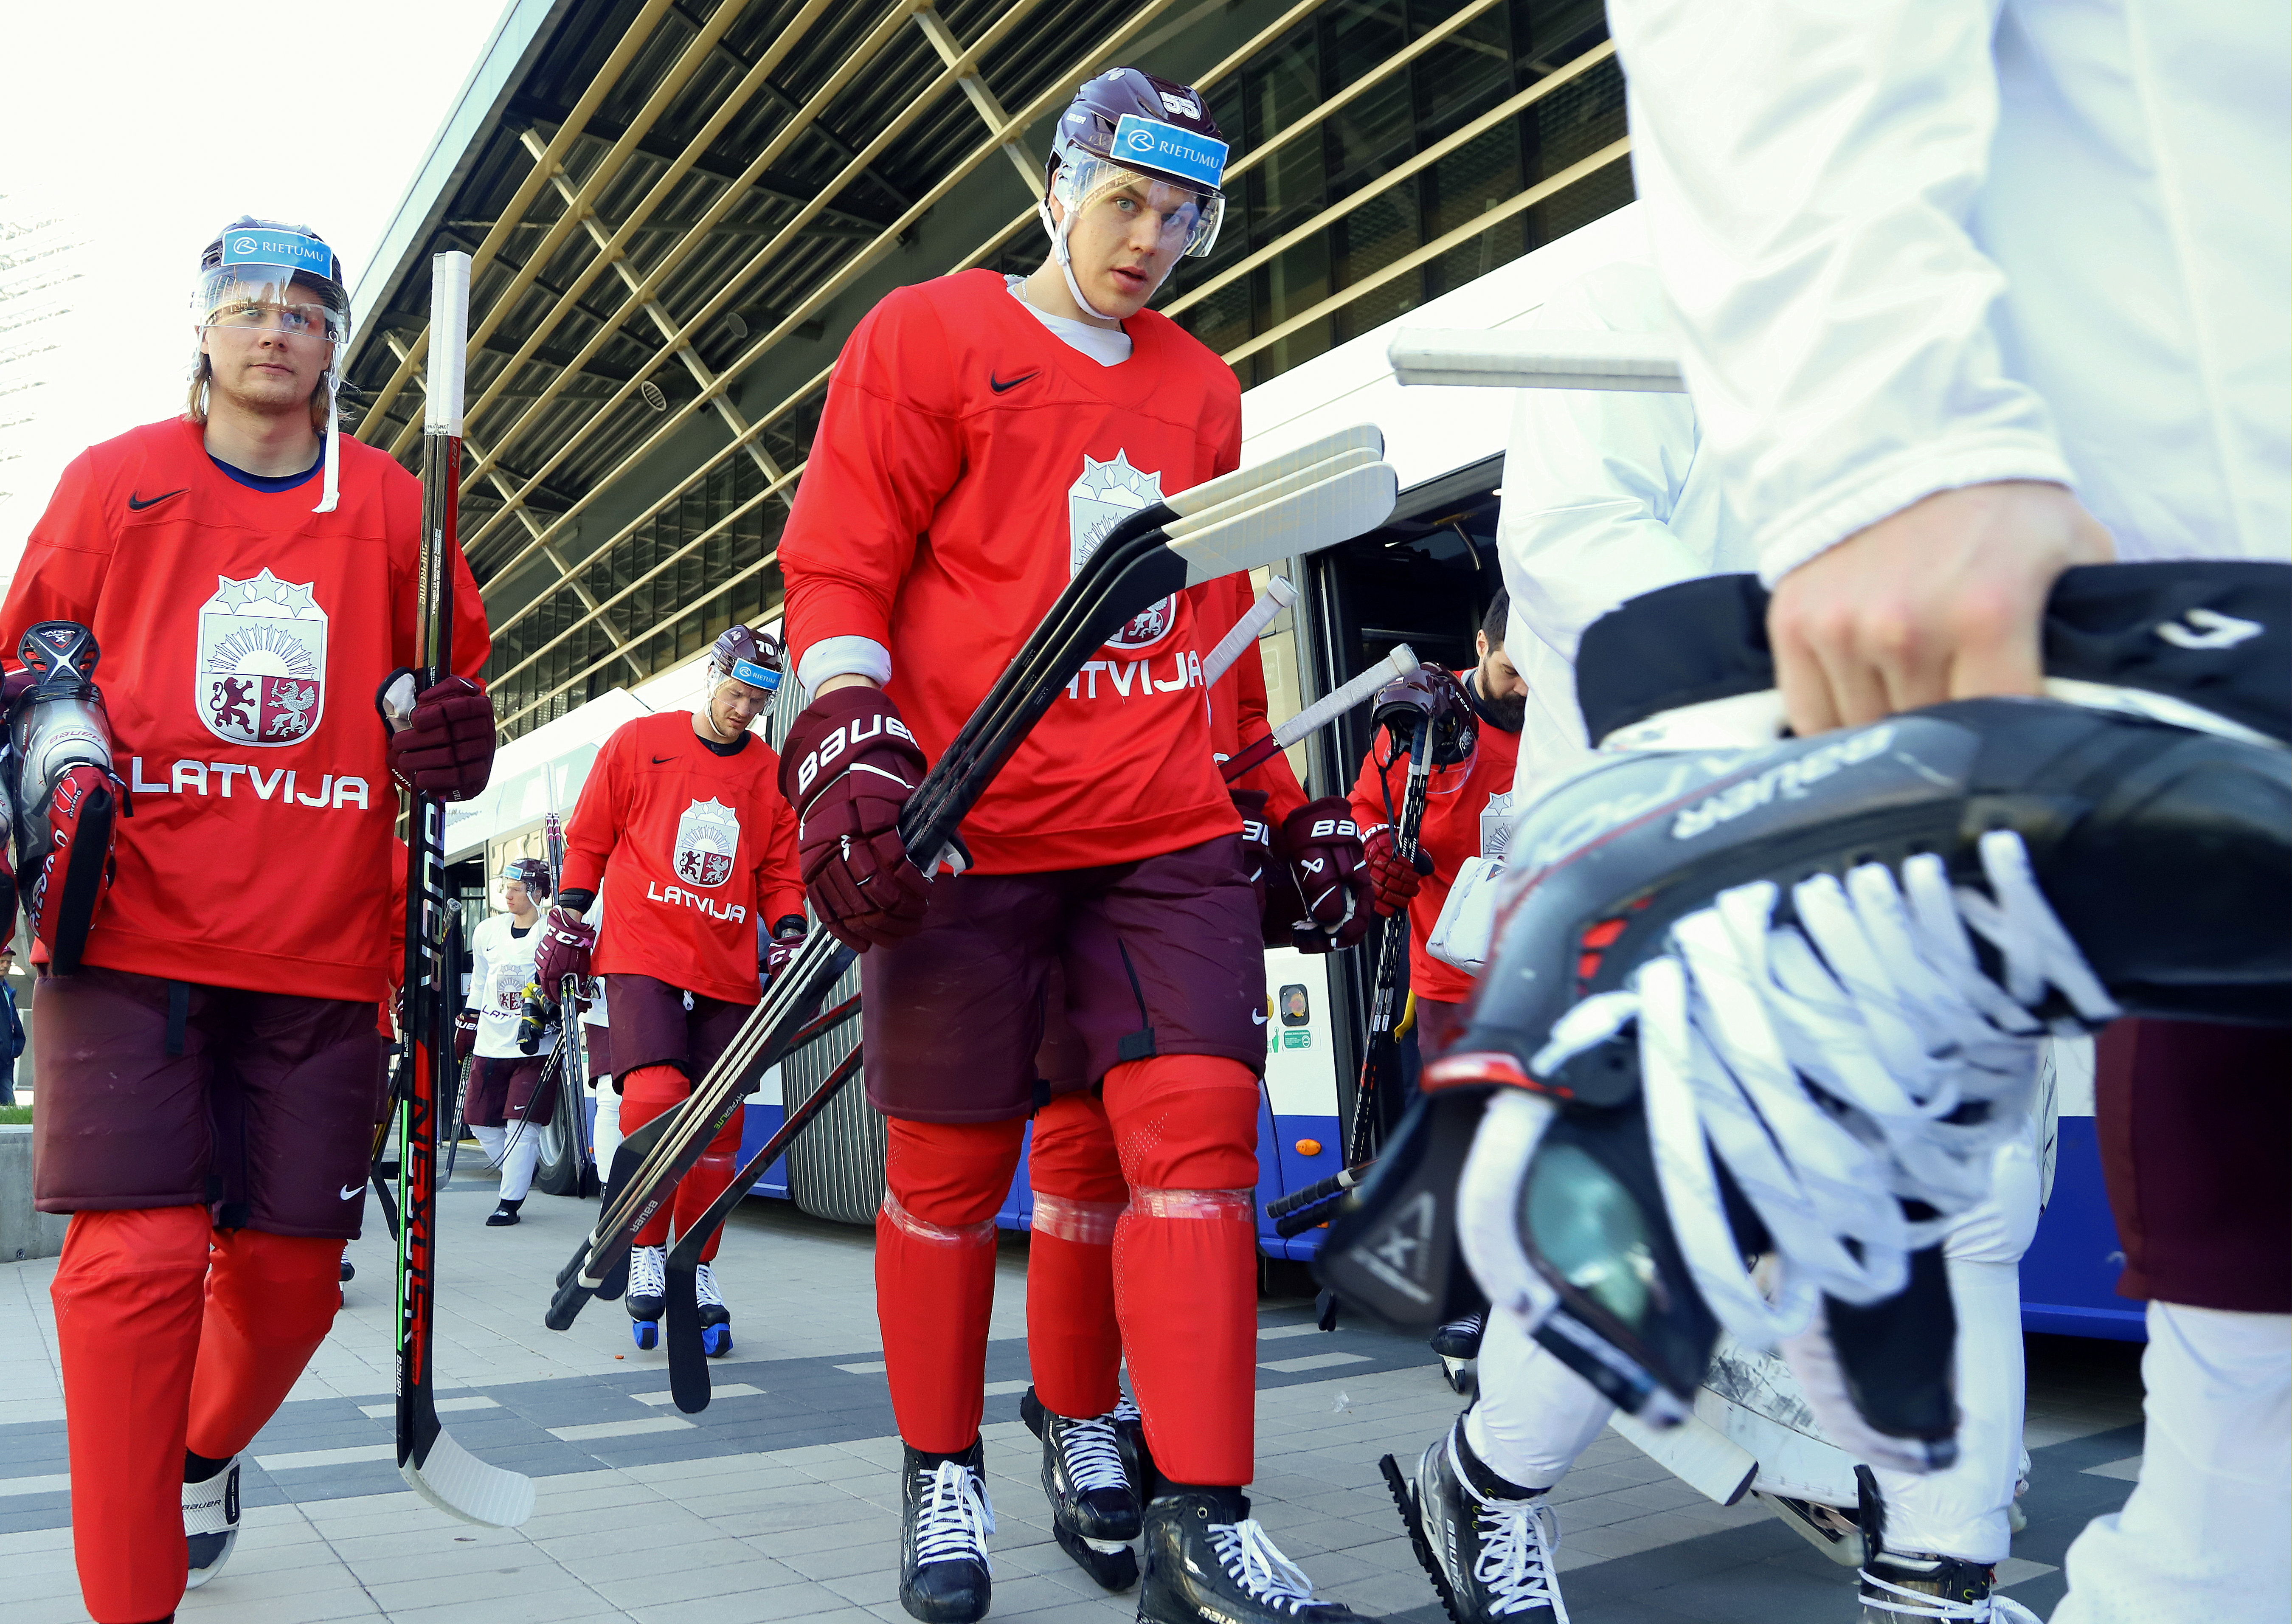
208, 1068
682, 828
981, 433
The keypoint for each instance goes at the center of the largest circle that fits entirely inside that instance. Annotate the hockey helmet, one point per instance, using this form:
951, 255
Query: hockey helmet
266, 273
529, 872
1123, 124
743, 655
1430, 693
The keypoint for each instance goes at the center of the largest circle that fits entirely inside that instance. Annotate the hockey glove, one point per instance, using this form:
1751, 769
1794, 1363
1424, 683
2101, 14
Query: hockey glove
441, 740
787, 941
564, 949
1256, 841
849, 766
1396, 878
1321, 847
465, 1034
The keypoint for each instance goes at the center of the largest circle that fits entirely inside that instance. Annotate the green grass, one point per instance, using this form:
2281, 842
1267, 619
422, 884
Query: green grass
15, 1114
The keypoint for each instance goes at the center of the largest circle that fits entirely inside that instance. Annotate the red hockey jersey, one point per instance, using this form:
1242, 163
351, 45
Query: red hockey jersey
243, 637
965, 462
689, 850
1237, 700
1466, 808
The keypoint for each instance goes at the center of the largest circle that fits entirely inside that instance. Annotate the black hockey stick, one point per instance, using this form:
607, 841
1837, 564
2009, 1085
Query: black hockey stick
1290, 1213
688, 1360
436, 1467
1380, 1072
1103, 596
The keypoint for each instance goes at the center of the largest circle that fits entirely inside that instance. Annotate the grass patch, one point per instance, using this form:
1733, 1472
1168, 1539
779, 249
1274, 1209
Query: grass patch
15, 1115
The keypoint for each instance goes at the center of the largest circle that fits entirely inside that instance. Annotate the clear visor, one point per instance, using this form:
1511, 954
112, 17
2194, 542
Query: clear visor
1185, 219
272, 297
504, 881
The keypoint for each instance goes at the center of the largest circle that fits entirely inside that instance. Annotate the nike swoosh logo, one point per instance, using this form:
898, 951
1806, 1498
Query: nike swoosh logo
999, 385
658, 759
351, 1192
139, 505
1256, 1019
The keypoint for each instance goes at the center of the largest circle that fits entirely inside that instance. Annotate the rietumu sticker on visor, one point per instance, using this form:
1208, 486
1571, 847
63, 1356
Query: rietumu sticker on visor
755, 675
251, 246
1182, 154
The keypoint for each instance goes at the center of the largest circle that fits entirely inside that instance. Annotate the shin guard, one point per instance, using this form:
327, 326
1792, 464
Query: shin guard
935, 1272
647, 1092
127, 1299
270, 1300
1074, 1344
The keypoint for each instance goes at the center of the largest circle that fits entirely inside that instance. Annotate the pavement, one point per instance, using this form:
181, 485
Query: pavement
779, 1502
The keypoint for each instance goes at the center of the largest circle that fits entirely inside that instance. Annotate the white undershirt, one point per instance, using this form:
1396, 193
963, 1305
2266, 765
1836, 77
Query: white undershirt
864, 655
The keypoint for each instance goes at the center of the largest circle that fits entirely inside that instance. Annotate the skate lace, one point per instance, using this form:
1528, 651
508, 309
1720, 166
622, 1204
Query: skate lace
648, 1270
1840, 1066
1125, 1410
1093, 1460
1909, 1603
954, 1520
1518, 1539
1469, 1326
1251, 1559
704, 1286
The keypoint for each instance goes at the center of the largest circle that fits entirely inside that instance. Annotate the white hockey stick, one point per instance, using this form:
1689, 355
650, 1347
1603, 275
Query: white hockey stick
1279, 594
1321, 712
1537, 359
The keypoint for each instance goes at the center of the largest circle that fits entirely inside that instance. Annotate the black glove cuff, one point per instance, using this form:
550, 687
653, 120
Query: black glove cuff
577, 901
790, 927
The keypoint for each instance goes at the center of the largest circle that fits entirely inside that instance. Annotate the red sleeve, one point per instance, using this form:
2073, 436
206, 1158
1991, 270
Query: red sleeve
66, 559
779, 879
595, 824
888, 448
1367, 798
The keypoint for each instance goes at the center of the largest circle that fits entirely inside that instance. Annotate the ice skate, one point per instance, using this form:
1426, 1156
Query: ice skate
1488, 1546
503, 1214
1094, 1513
943, 1571
349, 1269
715, 1318
1207, 1562
1130, 1438
211, 1523
1458, 1344
1899, 1586
648, 1293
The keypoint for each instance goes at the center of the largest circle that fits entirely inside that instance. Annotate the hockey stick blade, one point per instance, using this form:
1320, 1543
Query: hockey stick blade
461, 1485
1279, 594
1362, 437
688, 1361
1337, 509
1538, 359
1321, 712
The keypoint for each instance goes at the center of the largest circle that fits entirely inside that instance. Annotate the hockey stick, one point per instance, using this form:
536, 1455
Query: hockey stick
1380, 1072
1279, 594
572, 1078
1540, 358
687, 1356
1320, 712
435, 1467
1107, 592
1289, 1213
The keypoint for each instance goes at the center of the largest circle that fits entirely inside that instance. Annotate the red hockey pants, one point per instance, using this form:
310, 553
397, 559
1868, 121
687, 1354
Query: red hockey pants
171, 1335
1168, 1278
645, 1093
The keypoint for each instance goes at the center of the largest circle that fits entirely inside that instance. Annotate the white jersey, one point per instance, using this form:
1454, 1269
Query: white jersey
501, 966
1913, 245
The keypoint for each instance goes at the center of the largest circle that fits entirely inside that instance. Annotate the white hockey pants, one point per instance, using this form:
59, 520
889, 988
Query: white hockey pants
1535, 1415
2203, 1534
524, 1156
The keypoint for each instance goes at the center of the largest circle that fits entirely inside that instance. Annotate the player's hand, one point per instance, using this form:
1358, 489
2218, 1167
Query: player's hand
848, 768
1396, 878
1256, 841
441, 740
1942, 601
786, 942
1321, 847
465, 1033
567, 940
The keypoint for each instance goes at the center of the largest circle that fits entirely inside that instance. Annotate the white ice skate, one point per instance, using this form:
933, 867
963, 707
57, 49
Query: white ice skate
211, 1523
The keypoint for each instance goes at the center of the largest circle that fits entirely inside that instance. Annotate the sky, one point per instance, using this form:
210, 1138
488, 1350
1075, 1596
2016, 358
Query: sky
149, 125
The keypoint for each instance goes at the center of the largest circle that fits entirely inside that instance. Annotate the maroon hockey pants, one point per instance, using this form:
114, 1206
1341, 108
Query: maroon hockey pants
1144, 1243
173, 1335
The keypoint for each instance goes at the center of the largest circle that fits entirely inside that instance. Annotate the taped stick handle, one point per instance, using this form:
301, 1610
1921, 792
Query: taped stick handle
1321, 712
1279, 594
1313, 1195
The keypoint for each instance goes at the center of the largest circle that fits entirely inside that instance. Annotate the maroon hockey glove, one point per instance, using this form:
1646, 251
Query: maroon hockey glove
563, 951
76, 871
465, 1033
1395, 878
1256, 843
787, 941
1321, 847
847, 767
441, 740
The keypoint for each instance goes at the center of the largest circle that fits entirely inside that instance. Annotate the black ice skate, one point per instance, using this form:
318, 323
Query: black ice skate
1095, 1512
349, 1269
1909, 1585
503, 1214
1458, 1344
648, 1293
211, 1523
943, 1573
715, 1319
1488, 1545
1207, 1562
1137, 1459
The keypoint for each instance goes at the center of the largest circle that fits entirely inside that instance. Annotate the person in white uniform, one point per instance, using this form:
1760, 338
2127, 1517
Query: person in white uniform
503, 1082
1969, 293
1605, 498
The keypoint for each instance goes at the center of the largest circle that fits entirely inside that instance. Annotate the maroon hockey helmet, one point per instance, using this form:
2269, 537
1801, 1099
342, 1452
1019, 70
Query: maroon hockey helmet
746, 656
531, 873
1432, 693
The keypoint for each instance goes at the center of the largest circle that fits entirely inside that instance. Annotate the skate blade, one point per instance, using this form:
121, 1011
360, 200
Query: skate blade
1113, 1566
1404, 1500
1462, 1375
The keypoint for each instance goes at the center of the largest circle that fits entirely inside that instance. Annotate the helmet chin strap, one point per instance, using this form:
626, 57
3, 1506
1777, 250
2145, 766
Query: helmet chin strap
332, 493
1058, 229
